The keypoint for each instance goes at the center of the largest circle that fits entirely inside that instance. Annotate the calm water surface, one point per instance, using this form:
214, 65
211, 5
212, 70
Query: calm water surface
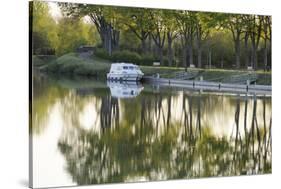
89, 131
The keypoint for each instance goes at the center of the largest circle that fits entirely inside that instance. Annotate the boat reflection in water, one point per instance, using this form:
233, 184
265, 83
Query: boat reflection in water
124, 89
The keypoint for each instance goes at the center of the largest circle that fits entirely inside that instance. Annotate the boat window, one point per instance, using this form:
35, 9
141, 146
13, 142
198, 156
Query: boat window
131, 67
125, 67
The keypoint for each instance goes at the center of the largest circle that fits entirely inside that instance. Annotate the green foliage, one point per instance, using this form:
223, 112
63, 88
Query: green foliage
37, 61
72, 33
102, 53
41, 61
44, 51
39, 41
60, 35
71, 64
126, 56
127, 38
129, 34
221, 47
147, 60
43, 26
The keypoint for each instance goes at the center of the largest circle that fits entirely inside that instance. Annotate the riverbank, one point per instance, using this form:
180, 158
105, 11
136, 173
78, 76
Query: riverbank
72, 64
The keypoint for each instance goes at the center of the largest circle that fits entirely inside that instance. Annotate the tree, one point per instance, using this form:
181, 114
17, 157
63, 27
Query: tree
158, 31
43, 26
247, 50
235, 23
203, 24
73, 33
105, 19
254, 29
136, 20
266, 23
186, 23
172, 32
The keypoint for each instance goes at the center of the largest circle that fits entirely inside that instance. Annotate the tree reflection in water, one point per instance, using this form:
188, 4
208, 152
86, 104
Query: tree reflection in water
167, 135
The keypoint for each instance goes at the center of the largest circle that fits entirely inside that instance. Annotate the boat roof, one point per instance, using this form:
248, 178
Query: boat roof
123, 64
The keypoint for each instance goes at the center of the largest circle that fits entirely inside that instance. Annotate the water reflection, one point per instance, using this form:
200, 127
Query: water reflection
161, 134
124, 89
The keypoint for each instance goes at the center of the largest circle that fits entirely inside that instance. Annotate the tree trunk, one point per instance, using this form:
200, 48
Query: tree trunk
199, 57
143, 38
199, 47
143, 46
207, 58
109, 37
254, 56
222, 61
210, 59
109, 33
247, 61
265, 55
170, 49
160, 52
237, 53
149, 43
115, 39
159, 42
255, 38
190, 53
236, 32
184, 57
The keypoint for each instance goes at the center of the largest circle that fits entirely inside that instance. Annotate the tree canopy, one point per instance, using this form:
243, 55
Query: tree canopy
172, 37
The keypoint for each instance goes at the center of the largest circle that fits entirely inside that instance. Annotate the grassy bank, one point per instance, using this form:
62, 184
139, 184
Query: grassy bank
72, 64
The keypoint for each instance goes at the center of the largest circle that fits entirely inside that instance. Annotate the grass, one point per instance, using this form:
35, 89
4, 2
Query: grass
39, 61
72, 64
264, 78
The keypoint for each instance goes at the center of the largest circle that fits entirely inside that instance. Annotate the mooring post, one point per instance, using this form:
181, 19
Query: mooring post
157, 75
247, 87
201, 82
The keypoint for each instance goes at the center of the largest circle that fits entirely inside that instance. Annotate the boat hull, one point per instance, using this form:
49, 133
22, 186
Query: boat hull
124, 77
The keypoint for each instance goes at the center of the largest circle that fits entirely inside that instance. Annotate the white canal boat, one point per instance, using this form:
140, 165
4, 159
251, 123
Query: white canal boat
124, 72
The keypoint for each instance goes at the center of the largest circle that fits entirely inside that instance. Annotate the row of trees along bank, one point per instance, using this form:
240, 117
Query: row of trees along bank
180, 37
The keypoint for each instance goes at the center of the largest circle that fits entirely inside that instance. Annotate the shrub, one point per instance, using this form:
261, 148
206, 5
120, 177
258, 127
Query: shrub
65, 64
44, 51
85, 70
68, 58
126, 56
36, 61
101, 53
165, 61
52, 67
147, 60
92, 69
69, 67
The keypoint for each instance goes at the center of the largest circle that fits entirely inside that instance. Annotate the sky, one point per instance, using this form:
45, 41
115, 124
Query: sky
57, 14
55, 10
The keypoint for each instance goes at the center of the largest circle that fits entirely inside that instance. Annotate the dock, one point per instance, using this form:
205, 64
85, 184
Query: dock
211, 85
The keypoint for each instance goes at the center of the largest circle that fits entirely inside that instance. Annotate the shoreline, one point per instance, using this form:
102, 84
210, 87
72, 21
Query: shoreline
71, 64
